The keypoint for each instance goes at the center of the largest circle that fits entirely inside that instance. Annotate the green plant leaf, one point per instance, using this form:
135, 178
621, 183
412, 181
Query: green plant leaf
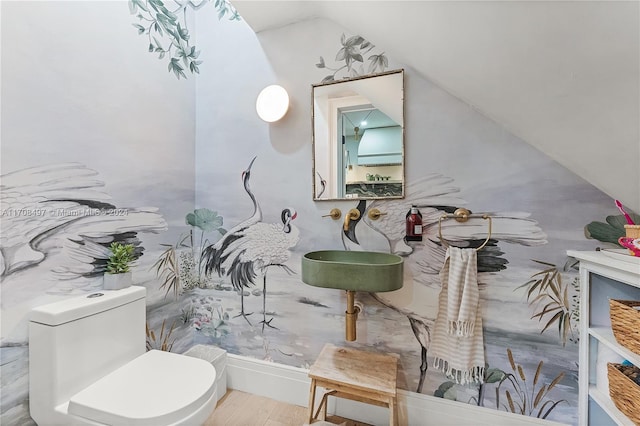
617, 222
606, 232
120, 258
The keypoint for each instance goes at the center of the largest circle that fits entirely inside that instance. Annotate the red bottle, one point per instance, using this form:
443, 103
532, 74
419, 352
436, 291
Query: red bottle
414, 225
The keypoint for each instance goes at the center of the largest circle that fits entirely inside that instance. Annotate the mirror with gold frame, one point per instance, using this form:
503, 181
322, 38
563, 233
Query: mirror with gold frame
358, 137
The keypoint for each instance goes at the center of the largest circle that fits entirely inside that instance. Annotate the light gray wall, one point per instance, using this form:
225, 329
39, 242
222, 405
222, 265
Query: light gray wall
78, 86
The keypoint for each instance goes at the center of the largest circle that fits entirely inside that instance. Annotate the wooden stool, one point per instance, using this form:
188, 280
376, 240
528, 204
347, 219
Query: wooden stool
356, 375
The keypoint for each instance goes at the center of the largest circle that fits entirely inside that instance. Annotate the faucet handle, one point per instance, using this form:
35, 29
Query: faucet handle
374, 214
333, 214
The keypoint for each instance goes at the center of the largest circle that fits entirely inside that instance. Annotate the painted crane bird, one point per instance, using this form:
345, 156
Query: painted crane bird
250, 248
434, 195
215, 255
259, 247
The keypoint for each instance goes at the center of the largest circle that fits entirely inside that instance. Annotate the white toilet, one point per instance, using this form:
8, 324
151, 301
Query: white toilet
88, 365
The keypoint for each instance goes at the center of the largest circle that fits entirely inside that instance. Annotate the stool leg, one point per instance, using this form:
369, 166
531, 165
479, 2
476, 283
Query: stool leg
323, 404
393, 412
324, 408
312, 399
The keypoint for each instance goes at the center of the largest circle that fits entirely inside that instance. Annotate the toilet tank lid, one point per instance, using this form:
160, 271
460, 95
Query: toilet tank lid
74, 308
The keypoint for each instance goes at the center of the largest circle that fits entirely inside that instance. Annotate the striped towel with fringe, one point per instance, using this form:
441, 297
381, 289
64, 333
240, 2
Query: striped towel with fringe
458, 344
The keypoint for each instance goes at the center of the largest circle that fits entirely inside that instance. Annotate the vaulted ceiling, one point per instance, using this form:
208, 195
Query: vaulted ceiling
562, 75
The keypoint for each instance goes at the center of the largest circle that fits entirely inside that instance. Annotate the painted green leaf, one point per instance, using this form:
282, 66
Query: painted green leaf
354, 41
494, 375
446, 390
377, 62
204, 219
135, 4
171, 25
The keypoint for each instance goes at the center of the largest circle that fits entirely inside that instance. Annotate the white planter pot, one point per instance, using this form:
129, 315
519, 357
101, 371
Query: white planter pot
116, 281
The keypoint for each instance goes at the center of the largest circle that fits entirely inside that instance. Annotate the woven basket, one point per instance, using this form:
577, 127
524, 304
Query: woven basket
625, 323
624, 393
632, 231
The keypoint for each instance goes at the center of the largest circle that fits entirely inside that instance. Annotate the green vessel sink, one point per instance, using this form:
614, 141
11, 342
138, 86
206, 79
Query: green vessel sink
352, 270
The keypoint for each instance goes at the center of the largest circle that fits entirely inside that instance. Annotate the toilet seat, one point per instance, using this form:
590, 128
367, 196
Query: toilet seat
155, 388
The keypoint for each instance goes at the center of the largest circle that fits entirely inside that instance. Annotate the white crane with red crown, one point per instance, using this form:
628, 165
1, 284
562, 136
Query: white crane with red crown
250, 248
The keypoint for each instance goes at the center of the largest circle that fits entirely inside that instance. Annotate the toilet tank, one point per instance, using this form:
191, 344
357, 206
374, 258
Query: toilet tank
74, 342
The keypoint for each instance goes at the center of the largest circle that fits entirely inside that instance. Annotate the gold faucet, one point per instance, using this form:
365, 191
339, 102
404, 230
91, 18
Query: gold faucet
353, 214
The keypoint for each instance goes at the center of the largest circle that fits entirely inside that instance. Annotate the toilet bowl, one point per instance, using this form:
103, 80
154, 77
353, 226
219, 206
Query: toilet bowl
88, 365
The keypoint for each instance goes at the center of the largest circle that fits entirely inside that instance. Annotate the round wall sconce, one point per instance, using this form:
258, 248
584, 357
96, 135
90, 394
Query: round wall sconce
272, 103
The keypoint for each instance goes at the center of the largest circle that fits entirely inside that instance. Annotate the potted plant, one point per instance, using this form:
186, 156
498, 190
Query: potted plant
118, 273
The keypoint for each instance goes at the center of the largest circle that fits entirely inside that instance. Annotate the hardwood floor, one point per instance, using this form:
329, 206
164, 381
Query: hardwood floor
244, 409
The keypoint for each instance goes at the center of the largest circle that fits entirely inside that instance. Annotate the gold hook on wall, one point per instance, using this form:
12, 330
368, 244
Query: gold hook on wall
462, 215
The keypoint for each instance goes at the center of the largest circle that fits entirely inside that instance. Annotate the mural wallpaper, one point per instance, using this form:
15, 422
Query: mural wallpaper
60, 210
226, 272
167, 24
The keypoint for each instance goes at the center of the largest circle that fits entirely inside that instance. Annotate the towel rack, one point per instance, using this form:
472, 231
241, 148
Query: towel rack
462, 215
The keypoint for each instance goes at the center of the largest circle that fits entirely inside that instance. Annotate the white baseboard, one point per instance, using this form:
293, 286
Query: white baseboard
291, 385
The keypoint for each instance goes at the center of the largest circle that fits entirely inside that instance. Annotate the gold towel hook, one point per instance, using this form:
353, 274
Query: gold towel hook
462, 215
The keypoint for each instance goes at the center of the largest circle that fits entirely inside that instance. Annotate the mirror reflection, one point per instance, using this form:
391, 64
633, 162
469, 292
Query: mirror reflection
358, 138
